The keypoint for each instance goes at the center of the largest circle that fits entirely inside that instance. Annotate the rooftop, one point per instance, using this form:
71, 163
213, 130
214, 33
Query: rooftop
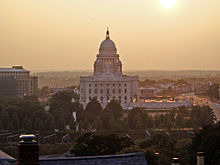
14, 69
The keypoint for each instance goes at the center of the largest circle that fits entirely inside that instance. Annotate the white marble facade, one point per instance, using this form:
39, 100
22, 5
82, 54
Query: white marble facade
108, 82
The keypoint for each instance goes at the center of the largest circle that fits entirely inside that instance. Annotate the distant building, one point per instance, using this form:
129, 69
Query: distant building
16, 81
57, 89
149, 92
108, 82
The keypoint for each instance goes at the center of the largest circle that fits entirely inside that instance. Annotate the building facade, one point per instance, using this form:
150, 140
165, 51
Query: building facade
16, 81
108, 82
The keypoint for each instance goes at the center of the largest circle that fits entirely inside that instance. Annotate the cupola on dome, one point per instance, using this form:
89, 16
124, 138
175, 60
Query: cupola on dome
107, 44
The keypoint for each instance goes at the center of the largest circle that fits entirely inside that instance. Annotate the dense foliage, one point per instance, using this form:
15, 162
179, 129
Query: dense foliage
28, 114
213, 92
24, 114
62, 108
207, 140
93, 144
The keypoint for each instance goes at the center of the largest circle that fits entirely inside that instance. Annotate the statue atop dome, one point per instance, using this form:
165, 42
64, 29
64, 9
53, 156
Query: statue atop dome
107, 34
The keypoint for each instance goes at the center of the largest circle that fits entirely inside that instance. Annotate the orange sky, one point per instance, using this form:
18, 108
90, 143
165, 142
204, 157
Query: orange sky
66, 34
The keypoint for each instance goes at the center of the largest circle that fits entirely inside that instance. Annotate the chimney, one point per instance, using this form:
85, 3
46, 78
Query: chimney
175, 161
200, 158
157, 154
28, 150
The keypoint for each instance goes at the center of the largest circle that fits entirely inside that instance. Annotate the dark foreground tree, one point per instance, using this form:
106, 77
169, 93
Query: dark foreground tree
61, 105
94, 107
207, 140
92, 144
115, 108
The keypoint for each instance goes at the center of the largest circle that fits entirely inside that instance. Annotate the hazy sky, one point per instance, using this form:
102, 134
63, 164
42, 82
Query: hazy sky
66, 34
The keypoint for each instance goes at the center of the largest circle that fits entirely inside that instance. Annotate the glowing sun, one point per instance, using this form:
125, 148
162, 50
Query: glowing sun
168, 3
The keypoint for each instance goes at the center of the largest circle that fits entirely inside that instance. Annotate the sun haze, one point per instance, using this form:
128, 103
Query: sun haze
149, 34
168, 3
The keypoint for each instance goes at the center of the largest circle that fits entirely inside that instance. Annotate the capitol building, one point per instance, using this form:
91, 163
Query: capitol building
108, 82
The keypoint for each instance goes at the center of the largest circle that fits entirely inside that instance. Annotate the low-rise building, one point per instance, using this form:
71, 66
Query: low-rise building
149, 92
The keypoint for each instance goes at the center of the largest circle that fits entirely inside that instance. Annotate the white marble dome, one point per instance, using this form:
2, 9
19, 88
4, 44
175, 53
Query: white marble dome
107, 45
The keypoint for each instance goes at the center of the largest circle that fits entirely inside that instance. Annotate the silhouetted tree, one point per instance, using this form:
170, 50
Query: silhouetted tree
94, 107
115, 108
93, 144
207, 140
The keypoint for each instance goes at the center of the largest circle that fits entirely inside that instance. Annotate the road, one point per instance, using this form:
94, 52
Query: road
205, 101
216, 109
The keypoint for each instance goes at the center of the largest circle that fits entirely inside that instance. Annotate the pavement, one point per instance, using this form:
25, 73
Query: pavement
216, 109
205, 101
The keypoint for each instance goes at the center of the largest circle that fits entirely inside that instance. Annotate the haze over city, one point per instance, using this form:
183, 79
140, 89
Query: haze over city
110, 82
65, 35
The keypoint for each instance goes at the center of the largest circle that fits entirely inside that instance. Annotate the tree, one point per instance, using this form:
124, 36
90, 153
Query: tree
51, 123
61, 123
207, 140
94, 107
202, 116
109, 122
84, 124
93, 144
183, 150
115, 108
15, 122
45, 92
27, 124
131, 118
180, 120
73, 124
61, 105
213, 92
5, 120
162, 144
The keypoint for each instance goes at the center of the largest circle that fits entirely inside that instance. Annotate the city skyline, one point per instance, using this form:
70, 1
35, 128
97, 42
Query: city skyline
63, 35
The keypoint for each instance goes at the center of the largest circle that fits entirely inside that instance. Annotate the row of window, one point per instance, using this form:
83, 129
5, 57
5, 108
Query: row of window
107, 85
108, 99
101, 98
107, 91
